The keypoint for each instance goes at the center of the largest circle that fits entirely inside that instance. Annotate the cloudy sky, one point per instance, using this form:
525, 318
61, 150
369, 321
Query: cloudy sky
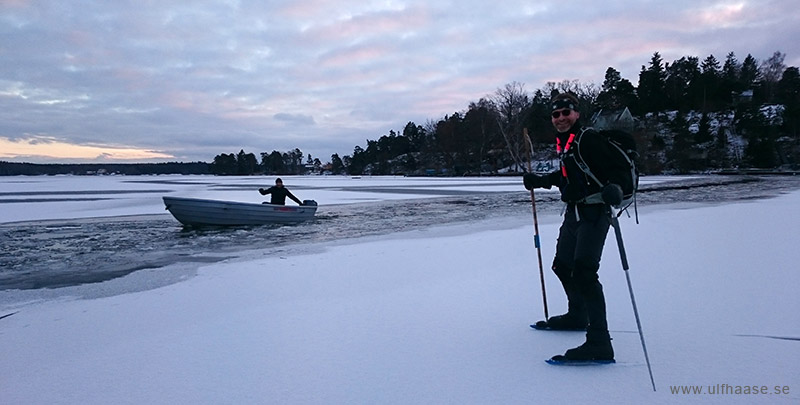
149, 81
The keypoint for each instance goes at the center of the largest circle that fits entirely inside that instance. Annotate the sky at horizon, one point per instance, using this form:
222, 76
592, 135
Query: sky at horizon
132, 81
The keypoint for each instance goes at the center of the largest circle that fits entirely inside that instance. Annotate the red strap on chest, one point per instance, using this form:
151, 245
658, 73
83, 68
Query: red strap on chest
561, 151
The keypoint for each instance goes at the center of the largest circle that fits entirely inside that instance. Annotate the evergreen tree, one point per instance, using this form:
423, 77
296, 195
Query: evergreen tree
731, 68
337, 166
683, 86
224, 164
246, 163
446, 139
356, 163
616, 92
749, 74
789, 96
540, 127
652, 82
272, 163
711, 73
479, 131
294, 161
682, 151
703, 134
731, 71
760, 149
416, 136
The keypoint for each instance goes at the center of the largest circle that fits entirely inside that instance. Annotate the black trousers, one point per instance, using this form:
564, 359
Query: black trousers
580, 245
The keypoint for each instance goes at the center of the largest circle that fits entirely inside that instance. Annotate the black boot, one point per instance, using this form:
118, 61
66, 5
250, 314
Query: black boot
596, 348
568, 321
598, 341
576, 317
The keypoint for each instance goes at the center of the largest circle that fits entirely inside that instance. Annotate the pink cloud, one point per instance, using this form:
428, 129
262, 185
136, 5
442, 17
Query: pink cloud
369, 25
15, 3
353, 56
720, 15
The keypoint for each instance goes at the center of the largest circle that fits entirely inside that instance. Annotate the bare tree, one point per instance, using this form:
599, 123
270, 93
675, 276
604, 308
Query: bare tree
771, 73
510, 104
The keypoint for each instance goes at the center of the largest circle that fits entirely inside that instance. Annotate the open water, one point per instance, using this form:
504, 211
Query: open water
52, 254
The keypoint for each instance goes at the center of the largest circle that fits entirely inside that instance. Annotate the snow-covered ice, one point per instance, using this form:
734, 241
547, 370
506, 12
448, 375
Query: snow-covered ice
438, 315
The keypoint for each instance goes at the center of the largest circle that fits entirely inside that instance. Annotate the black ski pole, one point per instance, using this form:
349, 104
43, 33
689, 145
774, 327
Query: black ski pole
536, 240
624, 258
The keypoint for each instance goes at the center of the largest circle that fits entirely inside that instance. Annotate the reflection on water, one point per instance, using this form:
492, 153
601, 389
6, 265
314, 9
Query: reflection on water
52, 254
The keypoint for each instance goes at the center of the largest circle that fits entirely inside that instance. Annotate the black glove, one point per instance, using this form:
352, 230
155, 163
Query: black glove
531, 181
612, 195
262, 191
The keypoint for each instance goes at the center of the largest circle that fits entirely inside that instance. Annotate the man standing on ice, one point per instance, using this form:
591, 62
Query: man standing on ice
584, 229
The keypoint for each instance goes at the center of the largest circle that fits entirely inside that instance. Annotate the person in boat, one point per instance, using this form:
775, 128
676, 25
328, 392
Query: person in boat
279, 193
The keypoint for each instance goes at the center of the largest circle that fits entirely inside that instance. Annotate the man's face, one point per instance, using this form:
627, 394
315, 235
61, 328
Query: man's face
564, 118
278, 184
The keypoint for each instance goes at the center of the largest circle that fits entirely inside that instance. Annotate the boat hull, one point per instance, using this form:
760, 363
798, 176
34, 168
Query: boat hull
202, 212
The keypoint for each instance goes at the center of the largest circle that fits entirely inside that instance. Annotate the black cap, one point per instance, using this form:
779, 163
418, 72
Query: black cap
564, 100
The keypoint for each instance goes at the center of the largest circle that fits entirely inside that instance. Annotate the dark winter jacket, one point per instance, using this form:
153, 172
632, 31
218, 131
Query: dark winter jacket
279, 195
590, 147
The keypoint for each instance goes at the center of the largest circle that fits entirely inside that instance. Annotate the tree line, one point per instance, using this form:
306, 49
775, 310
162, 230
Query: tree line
84, 169
690, 115
242, 163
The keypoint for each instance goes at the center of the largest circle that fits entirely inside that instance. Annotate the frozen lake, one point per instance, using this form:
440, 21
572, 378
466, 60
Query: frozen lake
402, 290
72, 230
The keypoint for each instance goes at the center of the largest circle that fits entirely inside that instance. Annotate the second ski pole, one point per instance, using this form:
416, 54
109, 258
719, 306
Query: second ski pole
624, 257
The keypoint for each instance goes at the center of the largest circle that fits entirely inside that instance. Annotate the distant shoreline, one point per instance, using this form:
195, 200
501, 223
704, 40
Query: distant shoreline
91, 169
203, 168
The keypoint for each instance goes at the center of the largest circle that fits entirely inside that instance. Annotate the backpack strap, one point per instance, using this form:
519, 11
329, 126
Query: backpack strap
581, 162
596, 198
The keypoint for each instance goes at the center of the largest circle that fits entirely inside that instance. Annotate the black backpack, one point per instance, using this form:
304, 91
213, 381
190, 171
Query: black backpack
624, 145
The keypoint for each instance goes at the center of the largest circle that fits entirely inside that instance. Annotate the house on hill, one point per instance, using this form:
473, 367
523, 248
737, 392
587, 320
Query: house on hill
621, 119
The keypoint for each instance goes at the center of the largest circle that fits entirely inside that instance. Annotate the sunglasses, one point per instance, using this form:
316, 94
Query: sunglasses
565, 113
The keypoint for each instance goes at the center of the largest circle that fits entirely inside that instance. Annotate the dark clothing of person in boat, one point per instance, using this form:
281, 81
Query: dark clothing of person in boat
279, 193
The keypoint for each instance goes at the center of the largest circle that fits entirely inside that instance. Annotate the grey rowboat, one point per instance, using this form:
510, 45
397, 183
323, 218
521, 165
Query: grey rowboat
199, 212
